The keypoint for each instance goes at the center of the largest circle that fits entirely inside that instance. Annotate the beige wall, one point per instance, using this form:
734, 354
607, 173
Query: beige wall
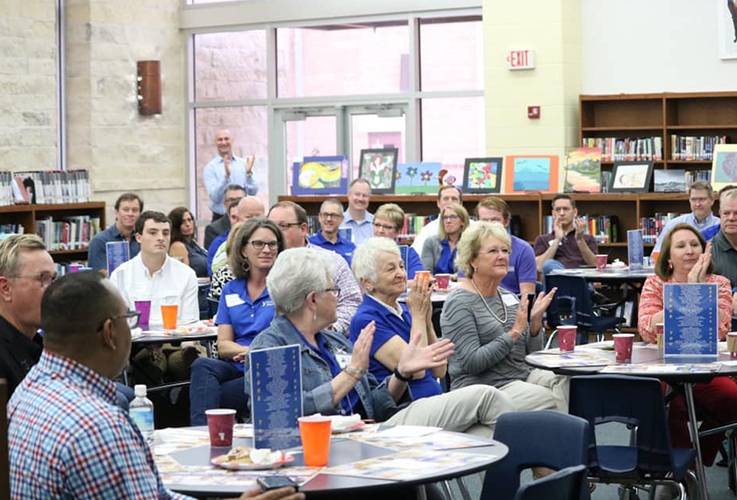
104, 40
552, 29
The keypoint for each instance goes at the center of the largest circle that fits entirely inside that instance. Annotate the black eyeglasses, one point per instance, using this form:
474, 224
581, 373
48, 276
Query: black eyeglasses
131, 318
335, 290
43, 279
328, 215
385, 227
286, 225
259, 245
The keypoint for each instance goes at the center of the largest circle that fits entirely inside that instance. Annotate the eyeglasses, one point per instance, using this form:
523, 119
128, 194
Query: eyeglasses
450, 217
698, 200
495, 251
335, 290
284, 226
44, 279
131, 318
328, 215
259, 245
385, 227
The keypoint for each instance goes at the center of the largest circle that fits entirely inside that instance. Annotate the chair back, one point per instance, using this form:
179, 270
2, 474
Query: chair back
566, 483
635, 401
572, 295
542, 438
4, 463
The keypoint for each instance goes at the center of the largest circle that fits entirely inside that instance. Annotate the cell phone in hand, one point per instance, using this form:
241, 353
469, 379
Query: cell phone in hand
276, 482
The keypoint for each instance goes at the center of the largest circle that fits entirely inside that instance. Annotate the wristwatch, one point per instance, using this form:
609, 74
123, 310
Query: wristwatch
401, 377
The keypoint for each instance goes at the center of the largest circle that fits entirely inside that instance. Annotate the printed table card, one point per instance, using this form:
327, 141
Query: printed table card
118, 252
635, 248
691, 319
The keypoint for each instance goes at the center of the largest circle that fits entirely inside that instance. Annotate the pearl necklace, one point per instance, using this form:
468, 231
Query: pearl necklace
498, 292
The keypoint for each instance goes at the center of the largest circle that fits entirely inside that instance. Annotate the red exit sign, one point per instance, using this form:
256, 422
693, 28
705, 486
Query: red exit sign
521, 59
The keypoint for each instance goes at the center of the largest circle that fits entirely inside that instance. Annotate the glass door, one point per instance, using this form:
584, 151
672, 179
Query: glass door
375, 127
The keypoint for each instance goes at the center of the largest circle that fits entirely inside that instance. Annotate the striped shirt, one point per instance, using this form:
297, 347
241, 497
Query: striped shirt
69, 439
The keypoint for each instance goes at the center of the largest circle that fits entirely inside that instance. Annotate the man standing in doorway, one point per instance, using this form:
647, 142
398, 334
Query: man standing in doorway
357, 216
226, 169
128, 207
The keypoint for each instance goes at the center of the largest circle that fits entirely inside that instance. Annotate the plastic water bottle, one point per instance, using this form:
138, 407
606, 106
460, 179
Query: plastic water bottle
141, 410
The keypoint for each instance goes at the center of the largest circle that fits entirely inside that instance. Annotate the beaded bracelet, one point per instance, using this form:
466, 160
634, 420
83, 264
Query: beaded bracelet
354, 372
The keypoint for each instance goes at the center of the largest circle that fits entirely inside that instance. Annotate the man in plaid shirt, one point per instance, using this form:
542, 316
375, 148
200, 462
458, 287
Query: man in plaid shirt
67, 436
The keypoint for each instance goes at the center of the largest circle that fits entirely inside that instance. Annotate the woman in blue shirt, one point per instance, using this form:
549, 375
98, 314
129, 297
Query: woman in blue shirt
245, 310
439, 252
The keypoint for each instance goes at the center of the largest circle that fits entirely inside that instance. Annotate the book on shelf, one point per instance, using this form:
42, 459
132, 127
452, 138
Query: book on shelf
652, 226
694, 148
626, 148
68, 233
55, 187
697, 175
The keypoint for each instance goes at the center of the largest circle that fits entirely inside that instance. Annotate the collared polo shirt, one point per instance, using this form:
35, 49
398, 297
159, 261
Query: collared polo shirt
362, 229
342, 246
724, 258
522, 267
568, 252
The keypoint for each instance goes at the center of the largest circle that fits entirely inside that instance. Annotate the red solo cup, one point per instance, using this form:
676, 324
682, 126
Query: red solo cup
567, 338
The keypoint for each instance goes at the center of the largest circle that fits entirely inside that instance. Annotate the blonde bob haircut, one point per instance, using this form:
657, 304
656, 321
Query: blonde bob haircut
460, 211
391, 212
470, 244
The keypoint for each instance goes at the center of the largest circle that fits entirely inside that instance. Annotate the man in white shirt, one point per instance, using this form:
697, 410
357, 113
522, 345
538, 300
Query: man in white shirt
446, 196
357, 216
153, 275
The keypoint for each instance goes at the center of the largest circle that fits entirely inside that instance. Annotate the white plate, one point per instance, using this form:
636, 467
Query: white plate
221, 462
351, 428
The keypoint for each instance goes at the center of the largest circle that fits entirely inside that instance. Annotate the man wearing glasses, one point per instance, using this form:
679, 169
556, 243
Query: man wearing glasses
66, 436
331, 217
154, 276
233, 194
292, 221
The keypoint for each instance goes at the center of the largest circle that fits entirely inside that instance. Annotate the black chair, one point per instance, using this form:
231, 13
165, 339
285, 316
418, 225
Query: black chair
572, 305
647, 459
542, 438
565, 484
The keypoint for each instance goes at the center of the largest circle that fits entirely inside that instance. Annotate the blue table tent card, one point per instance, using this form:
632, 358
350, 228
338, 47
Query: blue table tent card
276, 396
404, 252
691, 319
118, 252
635, 248
346, 233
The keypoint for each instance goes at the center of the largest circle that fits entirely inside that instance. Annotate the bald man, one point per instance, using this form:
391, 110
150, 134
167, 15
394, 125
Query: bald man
224, 170
248, 207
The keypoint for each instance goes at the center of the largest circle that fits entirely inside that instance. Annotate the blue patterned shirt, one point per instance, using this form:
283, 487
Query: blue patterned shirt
68, 438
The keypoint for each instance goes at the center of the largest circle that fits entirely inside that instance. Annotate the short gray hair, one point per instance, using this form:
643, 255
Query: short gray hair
11, 248
296, 273
366, 255
470, 244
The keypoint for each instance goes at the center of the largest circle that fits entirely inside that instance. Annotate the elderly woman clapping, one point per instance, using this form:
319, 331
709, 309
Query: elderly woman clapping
334, 373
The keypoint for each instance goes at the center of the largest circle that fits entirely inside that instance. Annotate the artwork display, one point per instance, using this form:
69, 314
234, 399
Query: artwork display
422, 177
724, 166
727, 32
583, 171
531, 173
670, 181
482, 175
320, 175
378, 167
631, 177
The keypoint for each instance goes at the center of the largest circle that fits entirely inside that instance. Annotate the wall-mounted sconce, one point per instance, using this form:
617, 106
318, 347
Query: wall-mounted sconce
149, 88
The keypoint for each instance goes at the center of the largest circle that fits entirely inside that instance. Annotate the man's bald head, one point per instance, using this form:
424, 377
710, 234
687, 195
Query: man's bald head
250, 207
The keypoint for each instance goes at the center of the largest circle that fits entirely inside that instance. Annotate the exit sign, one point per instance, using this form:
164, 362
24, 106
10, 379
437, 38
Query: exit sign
521, 59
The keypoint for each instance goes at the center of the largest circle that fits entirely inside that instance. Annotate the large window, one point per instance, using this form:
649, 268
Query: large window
288, 91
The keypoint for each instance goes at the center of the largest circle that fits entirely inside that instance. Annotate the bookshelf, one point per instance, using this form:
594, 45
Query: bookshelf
27, 215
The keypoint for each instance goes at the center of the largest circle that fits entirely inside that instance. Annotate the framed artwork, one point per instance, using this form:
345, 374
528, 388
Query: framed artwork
422, 177
583, 171
320, 175
531, 173
482, 175
631, 176
724, 166
727, 32
669, 181
378, 167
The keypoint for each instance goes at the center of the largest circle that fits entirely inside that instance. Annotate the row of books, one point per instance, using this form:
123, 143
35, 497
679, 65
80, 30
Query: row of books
651, 226
8, 229
697, 175
45, 187
695, 147
626, 148
604, 228
69, 233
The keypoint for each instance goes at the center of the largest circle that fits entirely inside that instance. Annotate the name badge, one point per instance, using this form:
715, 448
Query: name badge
343, 360
510, 300
232, 300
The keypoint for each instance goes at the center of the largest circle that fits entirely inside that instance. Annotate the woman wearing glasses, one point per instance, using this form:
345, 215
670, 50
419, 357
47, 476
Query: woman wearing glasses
245, 310
490, 326
439, 252
335, 378
388, 222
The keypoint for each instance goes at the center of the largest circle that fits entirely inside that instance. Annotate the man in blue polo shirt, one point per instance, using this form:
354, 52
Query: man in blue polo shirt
331, 217
128, 207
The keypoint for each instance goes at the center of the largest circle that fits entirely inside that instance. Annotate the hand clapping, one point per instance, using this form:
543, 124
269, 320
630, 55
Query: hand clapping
698, 271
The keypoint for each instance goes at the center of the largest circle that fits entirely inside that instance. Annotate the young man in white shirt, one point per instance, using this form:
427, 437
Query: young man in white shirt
153, 275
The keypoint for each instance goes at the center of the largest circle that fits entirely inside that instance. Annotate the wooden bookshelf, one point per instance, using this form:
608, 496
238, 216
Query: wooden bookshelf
27, 215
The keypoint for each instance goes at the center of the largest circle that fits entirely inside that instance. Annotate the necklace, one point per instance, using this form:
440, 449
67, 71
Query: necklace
498, 292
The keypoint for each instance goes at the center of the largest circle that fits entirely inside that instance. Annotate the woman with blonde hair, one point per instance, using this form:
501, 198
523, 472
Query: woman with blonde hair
388, 223
439, 252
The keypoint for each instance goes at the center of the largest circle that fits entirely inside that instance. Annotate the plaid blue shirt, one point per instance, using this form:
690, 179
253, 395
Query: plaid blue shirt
69, 439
